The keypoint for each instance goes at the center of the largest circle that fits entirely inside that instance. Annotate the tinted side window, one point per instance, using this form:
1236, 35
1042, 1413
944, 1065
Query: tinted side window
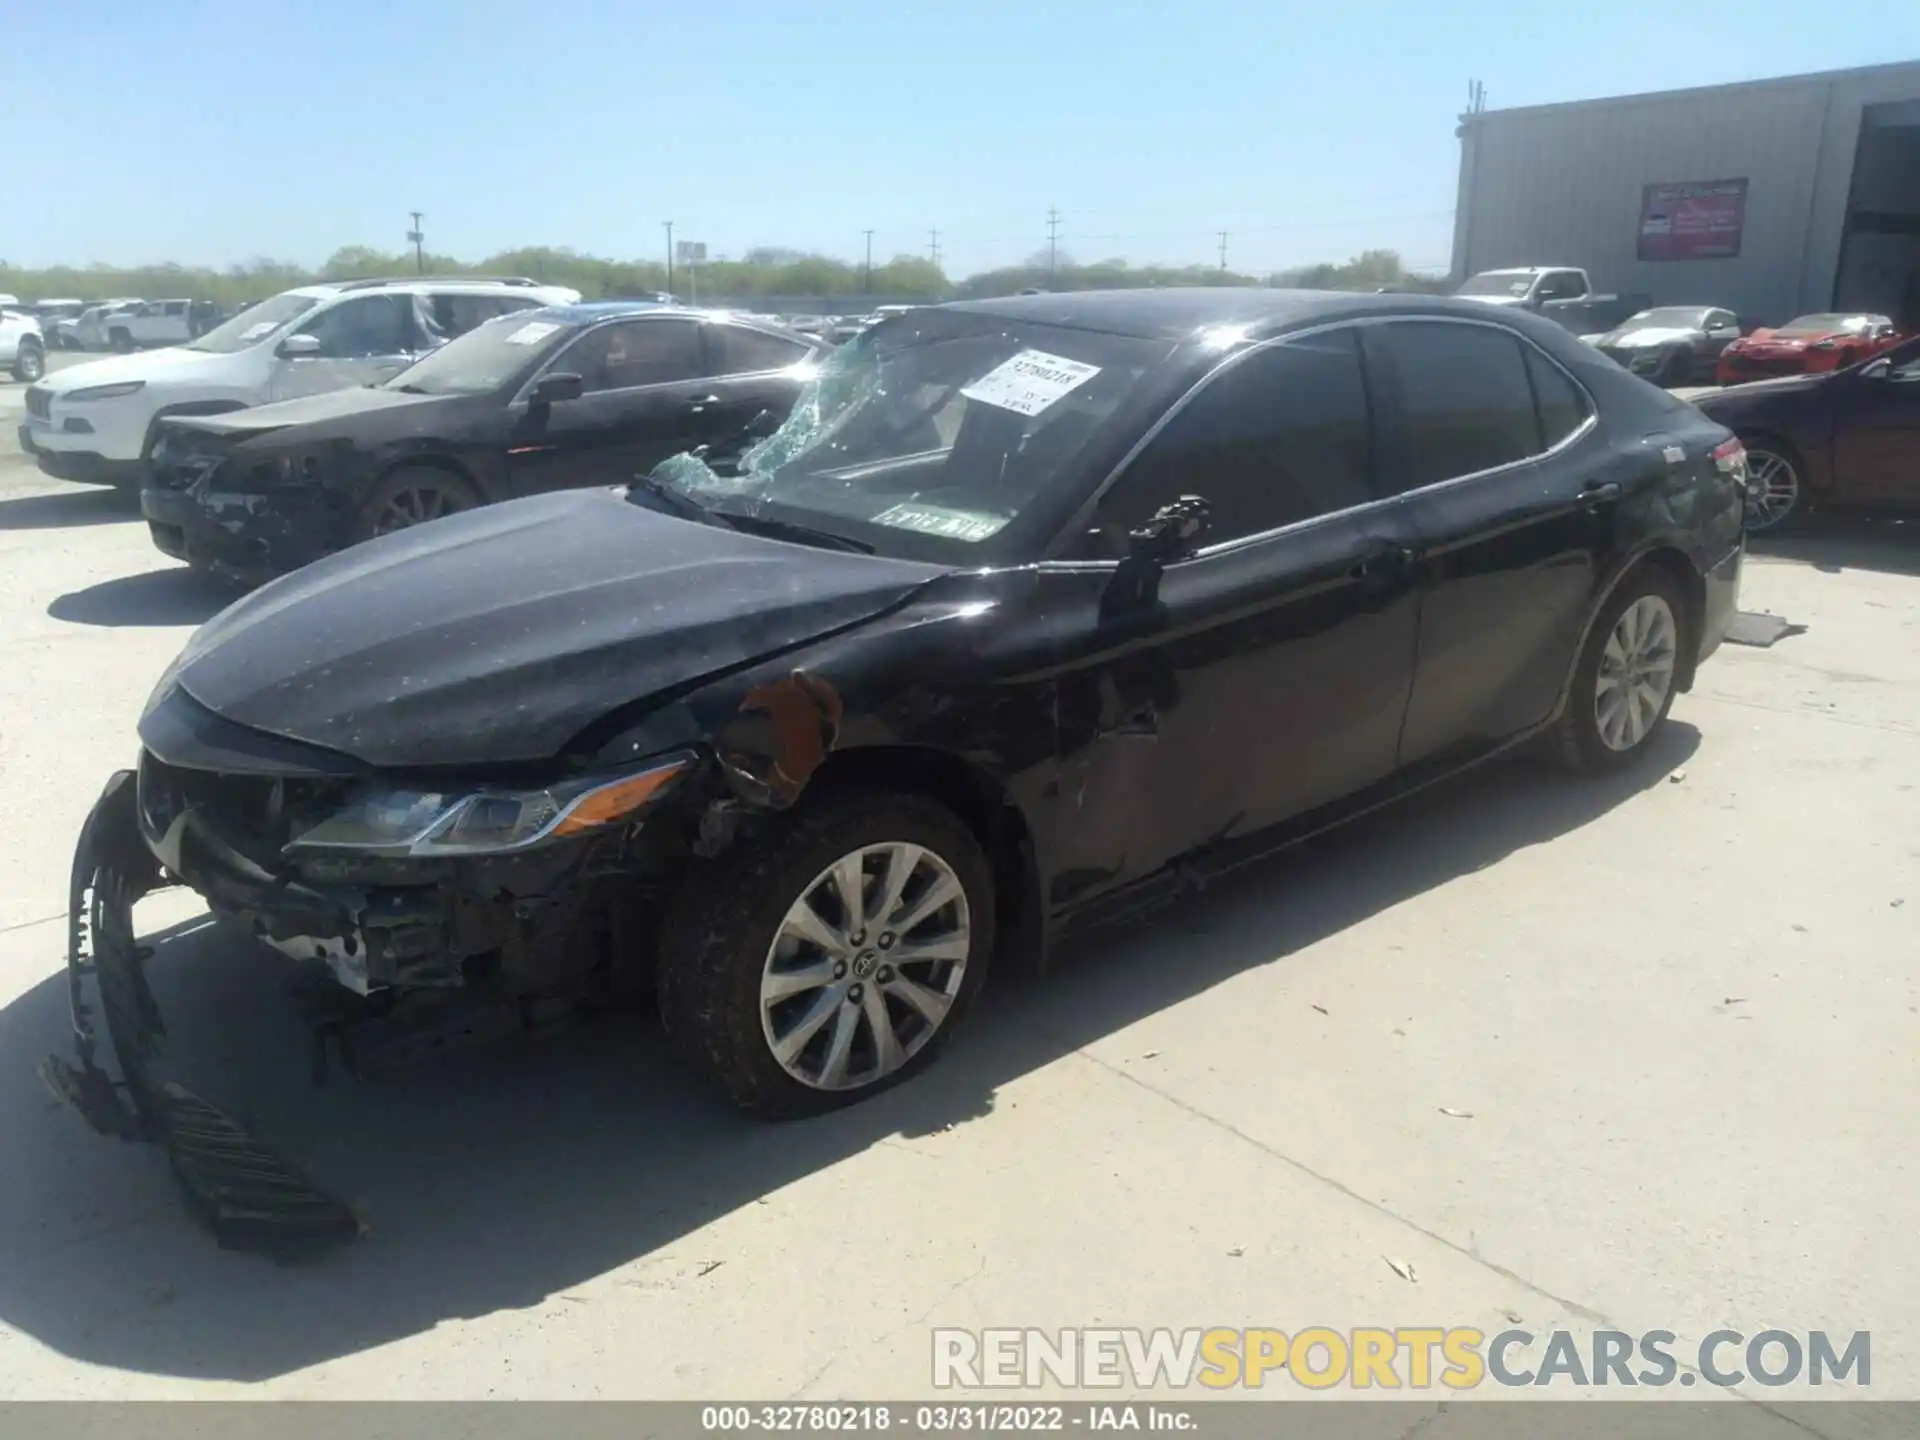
1465, 402
452, 315
367, 325
1563, 409
639, 352
1277, 437
745, 352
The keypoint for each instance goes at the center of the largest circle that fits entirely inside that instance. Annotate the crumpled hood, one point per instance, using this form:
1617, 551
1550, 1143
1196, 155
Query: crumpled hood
332, 405
500, 634
175, 362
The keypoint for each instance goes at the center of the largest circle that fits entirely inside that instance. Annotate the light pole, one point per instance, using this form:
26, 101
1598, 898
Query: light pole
669, 225
418, 237
869, 282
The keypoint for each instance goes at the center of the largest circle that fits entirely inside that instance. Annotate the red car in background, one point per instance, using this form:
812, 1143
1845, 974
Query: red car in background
1806, 346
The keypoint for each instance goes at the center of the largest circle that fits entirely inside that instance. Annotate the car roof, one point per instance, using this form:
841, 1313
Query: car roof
329, 288
1177, 313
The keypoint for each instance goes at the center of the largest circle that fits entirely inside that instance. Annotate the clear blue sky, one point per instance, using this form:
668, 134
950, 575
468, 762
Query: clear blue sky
213, 132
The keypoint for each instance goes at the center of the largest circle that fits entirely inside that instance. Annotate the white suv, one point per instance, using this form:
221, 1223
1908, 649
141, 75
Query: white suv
23, 349
98, 422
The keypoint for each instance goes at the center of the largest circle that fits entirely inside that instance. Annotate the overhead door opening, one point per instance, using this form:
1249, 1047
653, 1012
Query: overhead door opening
1880, 253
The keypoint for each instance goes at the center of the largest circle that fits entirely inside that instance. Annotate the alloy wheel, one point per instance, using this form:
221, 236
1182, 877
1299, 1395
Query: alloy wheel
415, 505
1773, 489
30, 363
865, 966
1636, 672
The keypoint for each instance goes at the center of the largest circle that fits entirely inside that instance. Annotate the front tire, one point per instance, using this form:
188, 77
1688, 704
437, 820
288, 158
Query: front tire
121, 342
1625, 680
831, 957
413, 495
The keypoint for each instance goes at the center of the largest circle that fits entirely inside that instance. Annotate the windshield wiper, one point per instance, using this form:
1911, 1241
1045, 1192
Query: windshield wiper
678, 502
778, 529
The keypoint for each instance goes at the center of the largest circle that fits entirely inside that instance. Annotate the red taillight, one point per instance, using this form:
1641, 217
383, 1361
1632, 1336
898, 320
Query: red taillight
1730, 457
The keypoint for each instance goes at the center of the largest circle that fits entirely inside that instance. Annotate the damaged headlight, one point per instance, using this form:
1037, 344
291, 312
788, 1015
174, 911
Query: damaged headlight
427, 823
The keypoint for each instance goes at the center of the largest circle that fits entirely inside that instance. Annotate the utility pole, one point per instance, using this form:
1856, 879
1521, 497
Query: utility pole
1223, 252
868, 283
669, 225
933, 246
1053, 242
418, 237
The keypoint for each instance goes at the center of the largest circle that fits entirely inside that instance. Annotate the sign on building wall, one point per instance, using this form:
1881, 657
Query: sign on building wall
1692, 219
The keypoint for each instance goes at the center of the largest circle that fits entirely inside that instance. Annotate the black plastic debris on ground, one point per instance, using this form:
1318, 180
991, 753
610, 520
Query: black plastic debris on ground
1760, 630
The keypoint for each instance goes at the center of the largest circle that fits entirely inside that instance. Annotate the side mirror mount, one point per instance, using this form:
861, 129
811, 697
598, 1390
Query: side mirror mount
560, 386
1876, 369
299, 347
1174, 532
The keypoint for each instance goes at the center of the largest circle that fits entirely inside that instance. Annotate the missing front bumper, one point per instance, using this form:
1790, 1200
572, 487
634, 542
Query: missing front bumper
247, 1196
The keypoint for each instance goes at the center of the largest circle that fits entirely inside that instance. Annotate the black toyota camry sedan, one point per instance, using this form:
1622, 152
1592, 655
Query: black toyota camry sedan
1032, 612
534, 401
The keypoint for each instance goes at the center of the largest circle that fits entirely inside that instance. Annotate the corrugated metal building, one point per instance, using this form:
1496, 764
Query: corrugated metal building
1773, 198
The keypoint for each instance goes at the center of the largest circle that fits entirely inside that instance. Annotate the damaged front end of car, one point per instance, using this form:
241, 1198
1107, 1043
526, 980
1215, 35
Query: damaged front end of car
247, 505
421, 914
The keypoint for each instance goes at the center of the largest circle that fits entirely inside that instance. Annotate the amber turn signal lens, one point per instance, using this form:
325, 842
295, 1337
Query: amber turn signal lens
621, 798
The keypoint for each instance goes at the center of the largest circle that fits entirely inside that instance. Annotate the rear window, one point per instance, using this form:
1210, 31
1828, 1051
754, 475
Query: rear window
1466, 403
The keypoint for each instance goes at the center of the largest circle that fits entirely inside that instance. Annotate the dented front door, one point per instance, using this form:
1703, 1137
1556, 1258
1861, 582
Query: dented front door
1269, 679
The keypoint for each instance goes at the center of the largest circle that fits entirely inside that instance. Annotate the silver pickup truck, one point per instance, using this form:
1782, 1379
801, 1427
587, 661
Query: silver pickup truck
1562, 293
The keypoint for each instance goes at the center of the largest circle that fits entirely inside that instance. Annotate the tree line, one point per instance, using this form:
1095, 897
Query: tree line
761, 271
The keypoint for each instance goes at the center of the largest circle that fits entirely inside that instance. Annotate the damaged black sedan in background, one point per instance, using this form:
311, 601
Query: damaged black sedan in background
1032, 613
538, 400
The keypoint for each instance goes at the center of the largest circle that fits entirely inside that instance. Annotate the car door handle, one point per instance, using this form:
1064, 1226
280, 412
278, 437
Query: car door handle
1595, 492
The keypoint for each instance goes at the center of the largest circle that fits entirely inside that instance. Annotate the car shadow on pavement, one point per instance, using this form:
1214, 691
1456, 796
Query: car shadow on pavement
178, 596
68, 507
1835, 543
499, 1180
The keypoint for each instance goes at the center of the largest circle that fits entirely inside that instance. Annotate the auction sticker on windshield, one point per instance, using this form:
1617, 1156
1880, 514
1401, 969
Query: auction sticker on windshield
1030, 381
969, 525
531, 333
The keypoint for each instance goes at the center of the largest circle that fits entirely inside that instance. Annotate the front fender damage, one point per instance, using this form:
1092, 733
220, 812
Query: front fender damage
250, 1198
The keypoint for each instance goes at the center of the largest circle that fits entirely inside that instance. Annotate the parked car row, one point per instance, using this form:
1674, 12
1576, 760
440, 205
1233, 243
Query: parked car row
99, 421
1685, 344
808, 738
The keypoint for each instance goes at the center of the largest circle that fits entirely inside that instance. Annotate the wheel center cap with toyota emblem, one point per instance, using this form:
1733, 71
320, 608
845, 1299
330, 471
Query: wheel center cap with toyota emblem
864, 964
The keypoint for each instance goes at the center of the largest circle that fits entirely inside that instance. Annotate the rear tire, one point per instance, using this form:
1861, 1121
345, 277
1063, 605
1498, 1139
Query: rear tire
29, 362
1626, 677
413, 495
120, 342
759, 951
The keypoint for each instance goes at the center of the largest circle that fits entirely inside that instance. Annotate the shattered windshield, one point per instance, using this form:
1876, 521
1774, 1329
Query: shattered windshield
485, 358
928, 436
254, 324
